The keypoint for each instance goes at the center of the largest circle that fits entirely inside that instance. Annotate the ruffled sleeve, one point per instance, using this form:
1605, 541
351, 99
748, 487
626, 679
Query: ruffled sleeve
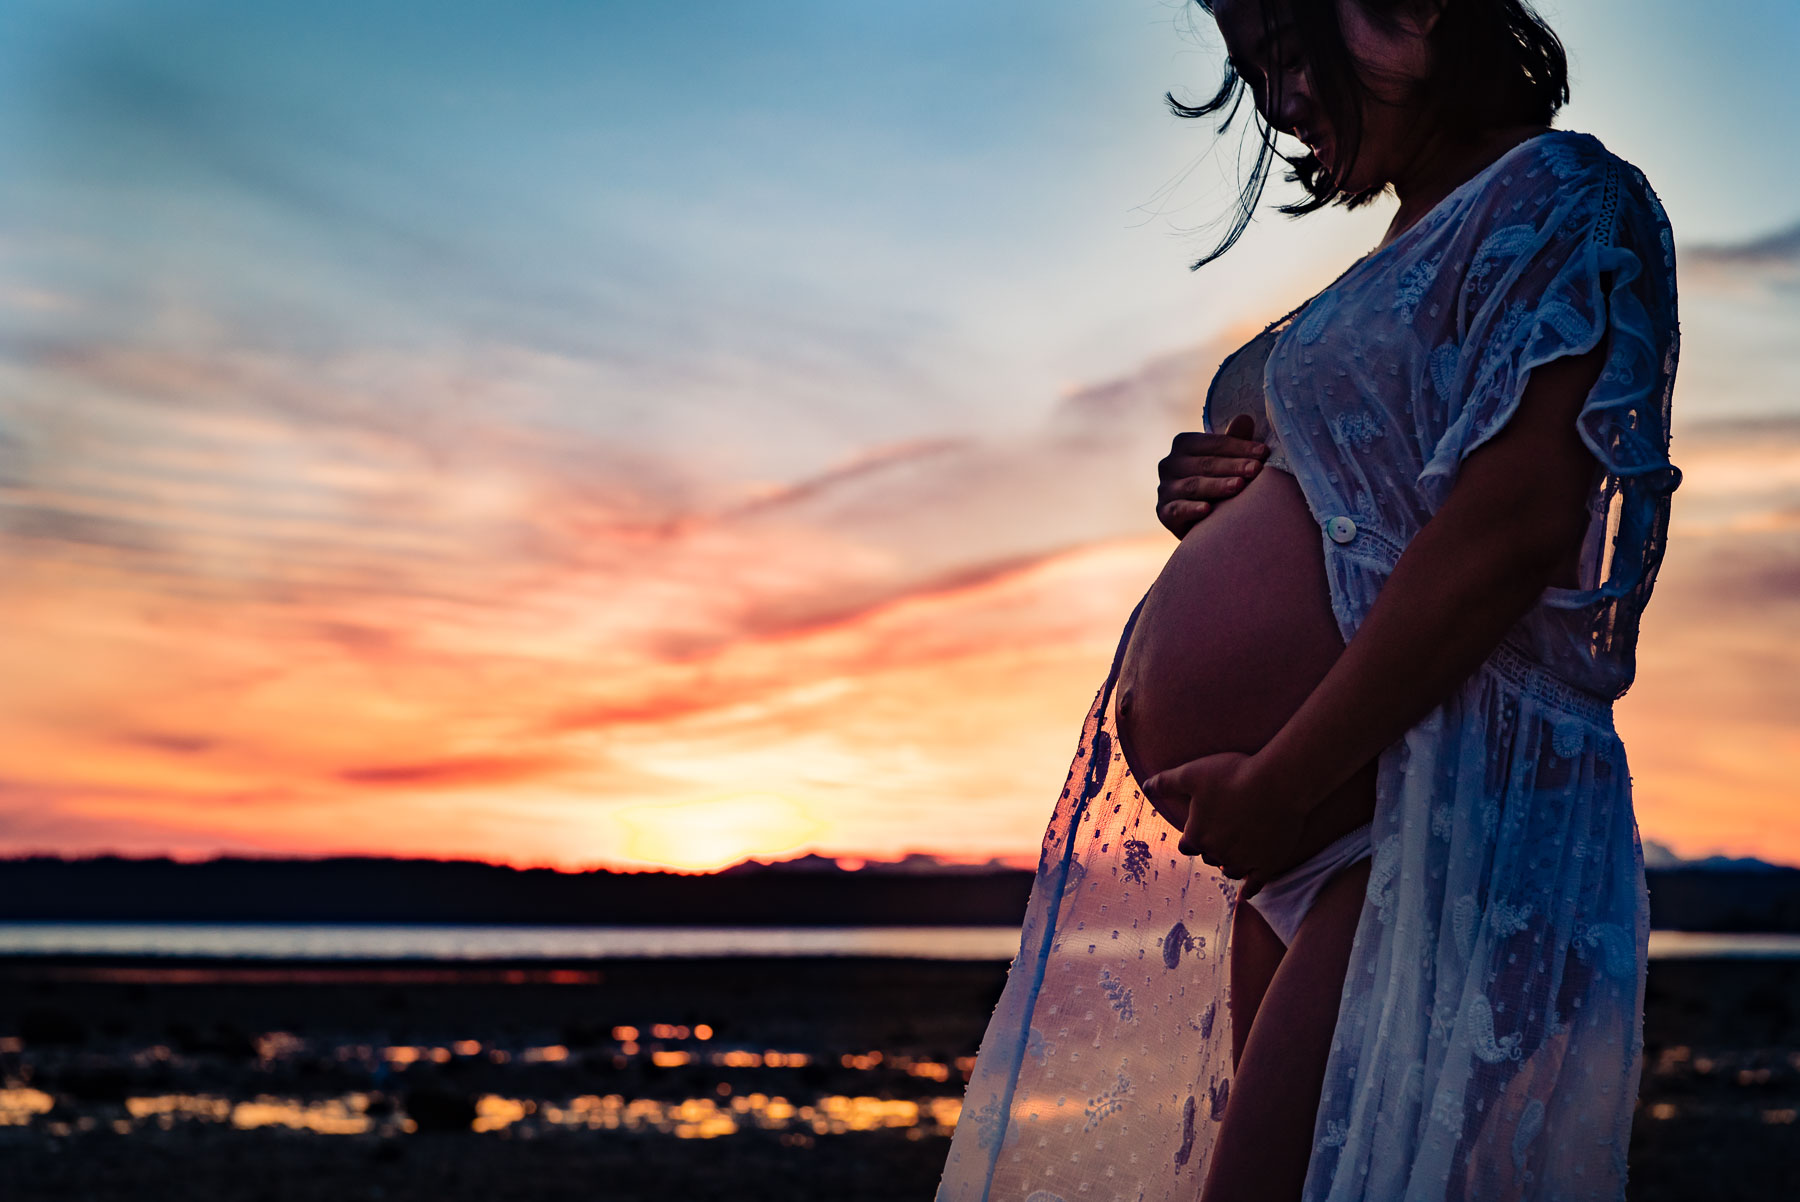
1576, 254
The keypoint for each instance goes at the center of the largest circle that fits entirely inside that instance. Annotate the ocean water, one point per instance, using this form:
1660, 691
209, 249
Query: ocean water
378, 942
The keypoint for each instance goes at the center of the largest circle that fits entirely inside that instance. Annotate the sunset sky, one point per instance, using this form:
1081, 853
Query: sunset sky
590, 433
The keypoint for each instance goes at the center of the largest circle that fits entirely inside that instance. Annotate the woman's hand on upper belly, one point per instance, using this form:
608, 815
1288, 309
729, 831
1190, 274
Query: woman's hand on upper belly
1201, 470
1236, 818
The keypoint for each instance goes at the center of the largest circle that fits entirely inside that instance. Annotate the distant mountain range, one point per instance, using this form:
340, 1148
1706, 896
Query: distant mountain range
1714, 894
912, 864
1658, 855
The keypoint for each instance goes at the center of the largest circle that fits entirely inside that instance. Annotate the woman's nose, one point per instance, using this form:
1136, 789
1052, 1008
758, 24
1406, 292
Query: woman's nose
1292, 107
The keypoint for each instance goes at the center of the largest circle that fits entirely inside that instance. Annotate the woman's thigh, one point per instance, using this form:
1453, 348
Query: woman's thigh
1256, 952
1265, 1139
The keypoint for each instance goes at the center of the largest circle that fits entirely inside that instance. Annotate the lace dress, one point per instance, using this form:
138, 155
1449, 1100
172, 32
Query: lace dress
1488, 1039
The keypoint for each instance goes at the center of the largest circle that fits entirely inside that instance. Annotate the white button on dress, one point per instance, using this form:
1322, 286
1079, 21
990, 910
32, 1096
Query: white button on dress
1341, 529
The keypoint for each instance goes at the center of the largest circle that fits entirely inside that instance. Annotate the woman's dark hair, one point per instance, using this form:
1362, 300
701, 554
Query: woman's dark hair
1495, 63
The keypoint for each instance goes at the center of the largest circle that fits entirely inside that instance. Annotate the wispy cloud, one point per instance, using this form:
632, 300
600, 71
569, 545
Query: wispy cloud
521, 620
1775, 251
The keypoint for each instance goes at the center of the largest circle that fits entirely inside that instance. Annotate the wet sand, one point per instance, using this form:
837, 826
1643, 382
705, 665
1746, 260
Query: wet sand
817, 1078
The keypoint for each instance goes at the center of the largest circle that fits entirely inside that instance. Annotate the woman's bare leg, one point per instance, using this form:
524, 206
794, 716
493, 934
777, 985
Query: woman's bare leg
1265, 1139
1256, 952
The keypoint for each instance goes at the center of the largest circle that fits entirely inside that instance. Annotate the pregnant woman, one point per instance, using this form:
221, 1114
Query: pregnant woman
1344, 898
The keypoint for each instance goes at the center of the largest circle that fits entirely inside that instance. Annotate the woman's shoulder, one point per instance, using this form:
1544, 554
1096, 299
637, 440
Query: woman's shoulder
1557, 163
1559, 186
1568, 153
1562, 164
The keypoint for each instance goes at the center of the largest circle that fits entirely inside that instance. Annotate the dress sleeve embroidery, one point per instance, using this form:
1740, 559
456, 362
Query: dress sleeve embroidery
1589, 267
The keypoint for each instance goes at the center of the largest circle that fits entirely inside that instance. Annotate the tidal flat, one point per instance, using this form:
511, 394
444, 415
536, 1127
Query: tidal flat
152, 1078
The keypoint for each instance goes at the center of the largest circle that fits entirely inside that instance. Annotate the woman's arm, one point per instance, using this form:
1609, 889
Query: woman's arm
1477, 566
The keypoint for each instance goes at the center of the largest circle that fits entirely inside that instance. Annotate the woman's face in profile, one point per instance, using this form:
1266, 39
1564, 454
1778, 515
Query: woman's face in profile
1265, 50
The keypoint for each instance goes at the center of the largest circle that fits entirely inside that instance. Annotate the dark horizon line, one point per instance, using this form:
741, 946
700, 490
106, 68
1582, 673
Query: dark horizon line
958, 867
805, 861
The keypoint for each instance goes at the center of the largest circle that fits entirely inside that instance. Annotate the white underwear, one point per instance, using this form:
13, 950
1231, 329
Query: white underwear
1285, 900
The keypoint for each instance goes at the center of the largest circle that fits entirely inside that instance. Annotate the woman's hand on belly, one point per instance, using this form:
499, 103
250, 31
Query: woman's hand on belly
1236, 817
1201, 470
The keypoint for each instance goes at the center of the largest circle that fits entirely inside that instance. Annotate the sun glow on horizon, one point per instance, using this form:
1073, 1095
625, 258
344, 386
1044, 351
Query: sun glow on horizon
707, 835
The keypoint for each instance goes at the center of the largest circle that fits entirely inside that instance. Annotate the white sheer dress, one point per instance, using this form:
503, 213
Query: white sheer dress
1489, 1031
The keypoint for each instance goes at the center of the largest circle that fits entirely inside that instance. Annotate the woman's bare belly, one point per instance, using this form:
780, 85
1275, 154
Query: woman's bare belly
1232, 637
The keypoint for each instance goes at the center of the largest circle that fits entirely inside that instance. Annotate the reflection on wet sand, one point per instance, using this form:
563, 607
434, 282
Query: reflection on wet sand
385, 1111
362, 1113
808, 1080
19, 1106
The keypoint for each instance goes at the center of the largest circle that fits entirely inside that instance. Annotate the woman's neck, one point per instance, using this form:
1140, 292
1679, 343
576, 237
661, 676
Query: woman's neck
1441, 166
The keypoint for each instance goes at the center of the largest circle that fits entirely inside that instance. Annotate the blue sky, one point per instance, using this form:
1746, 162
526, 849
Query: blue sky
881, 218
421, 333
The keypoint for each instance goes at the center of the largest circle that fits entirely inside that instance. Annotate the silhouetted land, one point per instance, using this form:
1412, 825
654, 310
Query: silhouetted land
110, 889
146, 1080
813, 893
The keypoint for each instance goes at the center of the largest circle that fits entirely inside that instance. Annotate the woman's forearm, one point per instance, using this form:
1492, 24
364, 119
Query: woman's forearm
1516, 509
1460, 585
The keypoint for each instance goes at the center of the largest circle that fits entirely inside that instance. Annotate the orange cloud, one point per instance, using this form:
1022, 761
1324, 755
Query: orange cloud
457, 773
